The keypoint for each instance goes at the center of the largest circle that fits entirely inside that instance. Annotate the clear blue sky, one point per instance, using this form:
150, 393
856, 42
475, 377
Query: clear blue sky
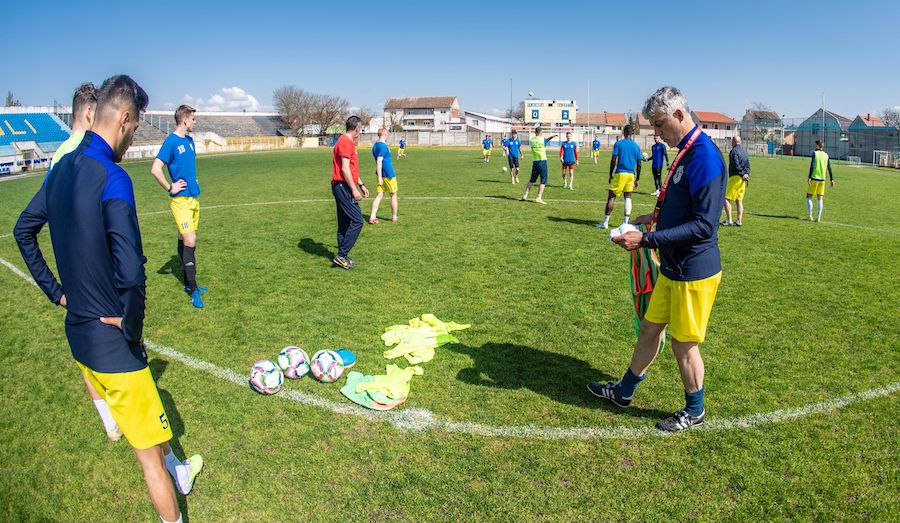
723, 54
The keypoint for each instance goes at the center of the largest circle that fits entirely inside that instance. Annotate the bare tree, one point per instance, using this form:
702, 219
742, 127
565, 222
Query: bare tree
11, 100
295, 107
365, 114
517, 114
392, 120
891, 116
761, 106
328, 110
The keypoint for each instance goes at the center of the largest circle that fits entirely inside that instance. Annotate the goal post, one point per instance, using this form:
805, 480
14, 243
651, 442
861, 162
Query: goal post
881, 158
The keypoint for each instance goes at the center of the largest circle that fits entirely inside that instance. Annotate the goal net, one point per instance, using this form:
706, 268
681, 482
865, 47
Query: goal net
854, 161
881, 158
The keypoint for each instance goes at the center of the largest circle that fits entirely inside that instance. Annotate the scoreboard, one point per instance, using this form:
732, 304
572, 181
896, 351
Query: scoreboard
550, 112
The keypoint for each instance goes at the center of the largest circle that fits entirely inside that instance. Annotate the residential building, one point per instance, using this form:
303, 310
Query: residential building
423, 113
824, 125
716, 125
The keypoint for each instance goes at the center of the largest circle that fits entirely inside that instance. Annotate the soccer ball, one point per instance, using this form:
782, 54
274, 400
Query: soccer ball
266, 377
645, 156
503, 168
326, 366
294, 362
622, 229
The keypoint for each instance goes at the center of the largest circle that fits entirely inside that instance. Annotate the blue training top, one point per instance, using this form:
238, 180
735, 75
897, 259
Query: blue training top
628, 154
487, 144
659, 151
402, 144
88, 200
568, 149
381, 149
689, 217
595, 145
514, 145
178, 154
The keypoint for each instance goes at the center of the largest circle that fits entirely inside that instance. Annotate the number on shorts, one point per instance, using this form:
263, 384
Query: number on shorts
164, 421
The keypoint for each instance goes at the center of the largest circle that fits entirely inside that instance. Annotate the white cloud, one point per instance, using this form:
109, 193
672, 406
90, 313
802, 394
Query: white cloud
228, 99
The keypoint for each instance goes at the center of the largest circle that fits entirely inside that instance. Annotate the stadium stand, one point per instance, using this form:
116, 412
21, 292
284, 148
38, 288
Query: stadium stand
38, 127
250, 125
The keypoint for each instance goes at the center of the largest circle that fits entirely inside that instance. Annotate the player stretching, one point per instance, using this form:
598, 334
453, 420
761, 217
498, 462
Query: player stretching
177, 153
515, 153
659, 152
387, 180
401, 152
595, 150
538, 165
815, 183
624, 173
88, 202
568, 157
486, 145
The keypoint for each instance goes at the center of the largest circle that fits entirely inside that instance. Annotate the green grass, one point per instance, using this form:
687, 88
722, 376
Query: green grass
805, 312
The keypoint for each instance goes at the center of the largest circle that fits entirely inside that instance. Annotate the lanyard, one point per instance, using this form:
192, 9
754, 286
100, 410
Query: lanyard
665, 185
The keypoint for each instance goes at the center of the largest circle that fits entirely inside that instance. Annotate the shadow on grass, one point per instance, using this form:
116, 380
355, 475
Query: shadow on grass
173, 267
559, 377
779, 216
501, 197
310, 246
496, 181
576, 221
157, 369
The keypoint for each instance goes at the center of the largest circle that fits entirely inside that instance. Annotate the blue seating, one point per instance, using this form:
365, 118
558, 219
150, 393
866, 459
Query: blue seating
39, 127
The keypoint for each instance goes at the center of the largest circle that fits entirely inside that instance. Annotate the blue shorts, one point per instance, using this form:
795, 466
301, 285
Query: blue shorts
513, 161
567, 164
539, 168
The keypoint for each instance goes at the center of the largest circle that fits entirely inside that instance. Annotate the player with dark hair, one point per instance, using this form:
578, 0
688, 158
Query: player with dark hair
624, 174
348, 190
815, 181
84, 103
568, 157
178, 155
88, 202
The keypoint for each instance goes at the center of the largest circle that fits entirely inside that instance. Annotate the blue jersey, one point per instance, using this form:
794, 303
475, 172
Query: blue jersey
178, 154
514, 146
569, 152
88, 201
595, 145
689, 217
659, 151
403, 144
487, 144
628, 155
381, 150
505, 143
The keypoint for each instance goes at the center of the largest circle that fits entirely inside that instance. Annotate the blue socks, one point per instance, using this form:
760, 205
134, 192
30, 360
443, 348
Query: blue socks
629, 383
693, 402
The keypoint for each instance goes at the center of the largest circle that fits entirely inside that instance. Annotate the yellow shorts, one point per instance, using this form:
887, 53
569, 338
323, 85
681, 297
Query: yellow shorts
622, 182
186, 212
815, 187
736, 188
134, 403
486, 152
595, 154
684, 306
401, 151
388, 185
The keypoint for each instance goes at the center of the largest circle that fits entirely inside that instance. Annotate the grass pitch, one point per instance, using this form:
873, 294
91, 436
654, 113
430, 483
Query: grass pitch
805, 313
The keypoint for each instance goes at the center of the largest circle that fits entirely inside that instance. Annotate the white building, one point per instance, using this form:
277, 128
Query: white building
716, 125
422, 113
487, 124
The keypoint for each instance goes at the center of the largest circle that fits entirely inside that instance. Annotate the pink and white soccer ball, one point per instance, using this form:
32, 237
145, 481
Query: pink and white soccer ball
294, 362
266, 377
326, 366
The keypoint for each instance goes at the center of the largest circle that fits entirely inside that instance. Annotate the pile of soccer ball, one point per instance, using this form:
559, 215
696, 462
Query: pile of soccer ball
267, 377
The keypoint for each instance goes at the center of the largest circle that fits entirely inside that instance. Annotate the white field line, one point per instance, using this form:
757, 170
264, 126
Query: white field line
418, 420
482, 198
